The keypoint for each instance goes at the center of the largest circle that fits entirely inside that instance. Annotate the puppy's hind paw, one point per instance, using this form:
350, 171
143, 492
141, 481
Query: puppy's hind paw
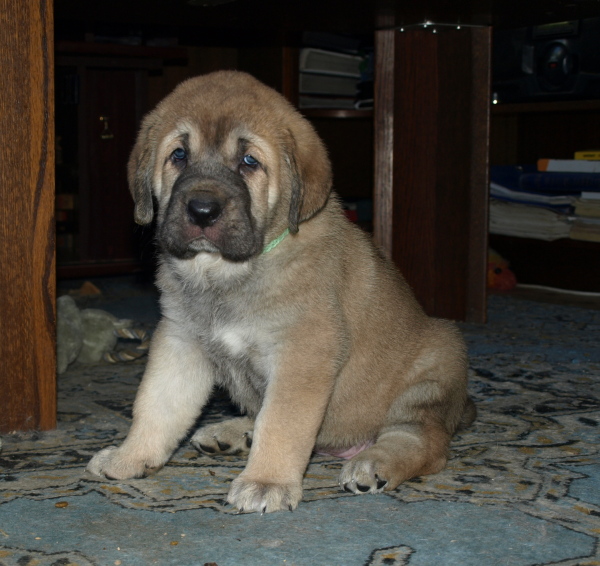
361, 476
230, 437
352, 486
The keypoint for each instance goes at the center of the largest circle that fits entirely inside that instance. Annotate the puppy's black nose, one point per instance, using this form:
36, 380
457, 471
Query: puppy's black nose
203, 212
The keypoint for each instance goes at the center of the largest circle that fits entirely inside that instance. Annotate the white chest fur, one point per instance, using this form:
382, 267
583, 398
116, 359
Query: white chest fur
258, 346
237, 341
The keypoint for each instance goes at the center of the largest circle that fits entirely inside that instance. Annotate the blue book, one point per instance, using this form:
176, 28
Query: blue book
527, 178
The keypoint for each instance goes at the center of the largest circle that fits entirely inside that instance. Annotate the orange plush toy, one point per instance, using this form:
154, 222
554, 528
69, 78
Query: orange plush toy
499, 276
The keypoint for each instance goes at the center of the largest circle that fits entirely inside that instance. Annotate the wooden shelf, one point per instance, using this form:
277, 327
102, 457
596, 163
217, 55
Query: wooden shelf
82, 48
565, 263
336, 113
80, 270
549, 106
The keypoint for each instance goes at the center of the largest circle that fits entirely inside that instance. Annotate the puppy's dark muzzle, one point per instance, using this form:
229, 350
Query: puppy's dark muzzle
210, 211
204, 211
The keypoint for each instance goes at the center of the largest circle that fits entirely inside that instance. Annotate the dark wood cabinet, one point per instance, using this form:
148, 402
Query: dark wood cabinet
101, 96
94, 210
112, 116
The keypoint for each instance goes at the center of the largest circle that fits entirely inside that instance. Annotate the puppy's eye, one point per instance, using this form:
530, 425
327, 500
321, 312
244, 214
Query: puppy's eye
179, 155
249, 161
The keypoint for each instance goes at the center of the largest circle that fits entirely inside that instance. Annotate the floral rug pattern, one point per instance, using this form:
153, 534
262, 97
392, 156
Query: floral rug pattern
522, 486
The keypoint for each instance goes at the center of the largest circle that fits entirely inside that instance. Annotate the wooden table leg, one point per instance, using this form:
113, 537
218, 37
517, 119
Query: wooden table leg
27, 265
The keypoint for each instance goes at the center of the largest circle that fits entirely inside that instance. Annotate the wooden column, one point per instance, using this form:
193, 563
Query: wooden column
27, 268
432, 97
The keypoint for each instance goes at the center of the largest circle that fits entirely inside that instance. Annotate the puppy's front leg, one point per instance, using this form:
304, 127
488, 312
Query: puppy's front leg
284, 434
176, 385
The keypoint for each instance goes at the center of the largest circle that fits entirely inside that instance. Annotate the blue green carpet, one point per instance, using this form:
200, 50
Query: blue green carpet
522, 487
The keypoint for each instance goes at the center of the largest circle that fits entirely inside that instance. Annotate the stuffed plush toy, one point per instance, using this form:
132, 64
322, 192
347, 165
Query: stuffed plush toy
90, 335
499, 276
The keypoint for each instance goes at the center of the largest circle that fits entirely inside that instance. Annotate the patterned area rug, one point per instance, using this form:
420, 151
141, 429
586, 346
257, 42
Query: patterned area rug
522, 487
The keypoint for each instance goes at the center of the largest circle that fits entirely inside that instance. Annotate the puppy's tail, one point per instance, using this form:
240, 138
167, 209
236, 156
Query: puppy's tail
469, 414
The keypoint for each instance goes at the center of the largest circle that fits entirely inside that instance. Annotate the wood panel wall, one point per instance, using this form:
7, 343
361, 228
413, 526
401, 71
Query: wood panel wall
27, 266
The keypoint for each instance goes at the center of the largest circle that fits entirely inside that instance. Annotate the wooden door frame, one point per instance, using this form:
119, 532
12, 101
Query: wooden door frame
27, 227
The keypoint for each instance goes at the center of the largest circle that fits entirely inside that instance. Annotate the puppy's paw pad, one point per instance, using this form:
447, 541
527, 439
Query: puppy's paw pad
230, 437
259, 497
363, 476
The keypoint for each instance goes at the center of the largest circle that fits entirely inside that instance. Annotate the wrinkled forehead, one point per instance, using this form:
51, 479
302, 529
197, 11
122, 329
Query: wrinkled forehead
207, 135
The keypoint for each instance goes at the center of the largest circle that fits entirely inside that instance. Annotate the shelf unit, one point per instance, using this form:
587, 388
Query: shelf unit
522, 133
337, 113
348, 135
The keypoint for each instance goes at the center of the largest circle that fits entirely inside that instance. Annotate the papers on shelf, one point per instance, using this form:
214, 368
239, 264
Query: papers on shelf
512, 219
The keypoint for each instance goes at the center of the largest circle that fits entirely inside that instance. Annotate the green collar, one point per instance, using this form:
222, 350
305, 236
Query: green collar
275, 242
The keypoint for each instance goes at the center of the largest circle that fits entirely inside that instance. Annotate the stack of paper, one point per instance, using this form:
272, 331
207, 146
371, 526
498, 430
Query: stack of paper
525, 221
328, 79
556, 199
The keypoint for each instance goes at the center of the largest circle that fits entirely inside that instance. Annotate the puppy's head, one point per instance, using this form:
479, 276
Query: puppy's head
230, 164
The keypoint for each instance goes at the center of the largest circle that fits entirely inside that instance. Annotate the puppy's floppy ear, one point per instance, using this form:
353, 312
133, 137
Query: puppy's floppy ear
140, 170
310, 171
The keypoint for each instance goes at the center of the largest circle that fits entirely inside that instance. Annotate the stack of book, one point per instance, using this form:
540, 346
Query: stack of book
330, 78
586, 222
557, 198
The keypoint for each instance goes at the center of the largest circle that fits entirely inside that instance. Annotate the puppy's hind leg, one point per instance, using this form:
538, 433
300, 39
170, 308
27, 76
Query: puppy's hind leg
414, 441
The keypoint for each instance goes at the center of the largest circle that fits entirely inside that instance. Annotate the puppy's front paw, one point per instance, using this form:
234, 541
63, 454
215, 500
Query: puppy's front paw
113, 464
255, 496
